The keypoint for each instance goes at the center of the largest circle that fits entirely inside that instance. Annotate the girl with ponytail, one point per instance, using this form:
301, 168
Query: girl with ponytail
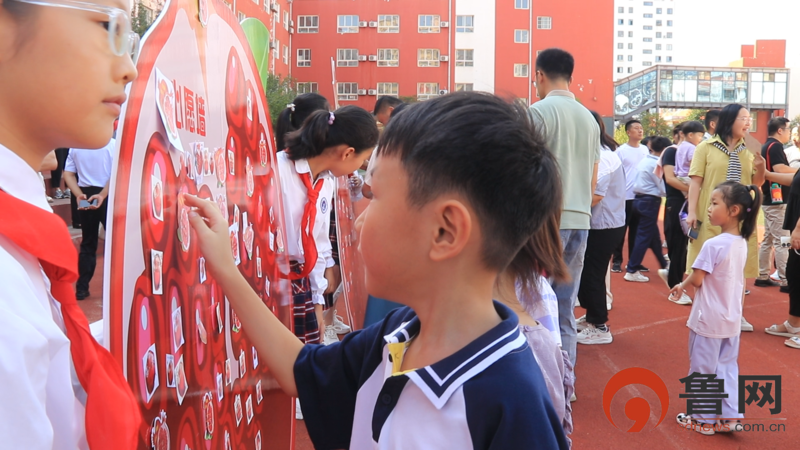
295, 113
718, 275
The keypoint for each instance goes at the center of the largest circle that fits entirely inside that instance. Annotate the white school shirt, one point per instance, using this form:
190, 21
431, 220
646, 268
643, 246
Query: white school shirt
717, 308
38, 404
631, 157
295, 197
92, 166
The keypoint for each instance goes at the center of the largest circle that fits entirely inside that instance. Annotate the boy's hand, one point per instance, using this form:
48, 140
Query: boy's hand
212, 235
676, 292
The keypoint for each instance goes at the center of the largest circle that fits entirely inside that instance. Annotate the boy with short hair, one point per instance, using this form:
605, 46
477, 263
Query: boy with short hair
454, 371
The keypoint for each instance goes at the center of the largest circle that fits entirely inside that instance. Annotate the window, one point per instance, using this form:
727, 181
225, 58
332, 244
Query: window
669, 35
277, 53
630, 57
347, 91
277, 18
621, 10
388, 89
669, 10
388, 57
648, 27
286, 20
669, 23
521, 36
669, 46
522, 4
630, 46
630, 33
658, 59
308, 24
544, 23
658, 23
230, 5
619, 69
658, 46
620, 46
647, 63
648, 39
347, 57
659, 10
465, 57
388, 24
285, 54
620, 21
620, 34
630, 69
427, 90
464, 87
630, 10
520, 70
648, 16
647, 52
428, 57
305, 88
620, 57
465, 24
669, 58
347, 24
241, 16
428, 24
658, 35
648, 3
630, 22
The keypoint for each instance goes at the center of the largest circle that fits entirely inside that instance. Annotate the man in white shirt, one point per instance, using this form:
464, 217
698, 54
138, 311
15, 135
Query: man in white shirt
93, 170
631, 154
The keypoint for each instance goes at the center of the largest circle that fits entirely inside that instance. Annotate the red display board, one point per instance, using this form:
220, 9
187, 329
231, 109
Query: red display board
352, 265
196, 122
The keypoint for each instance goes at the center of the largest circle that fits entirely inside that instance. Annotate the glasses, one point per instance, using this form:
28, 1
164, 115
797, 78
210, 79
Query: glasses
121, 38
745, 119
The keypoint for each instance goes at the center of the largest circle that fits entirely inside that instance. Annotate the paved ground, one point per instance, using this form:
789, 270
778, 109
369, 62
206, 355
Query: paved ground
650, 332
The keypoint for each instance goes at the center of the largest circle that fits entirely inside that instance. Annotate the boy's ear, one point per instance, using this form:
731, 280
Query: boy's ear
454, 228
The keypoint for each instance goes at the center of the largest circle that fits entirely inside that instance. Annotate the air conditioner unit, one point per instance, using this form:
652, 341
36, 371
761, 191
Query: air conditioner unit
442, 91
271, 45
362, 24
291, 30
291, 23
373, 57
362, 57
362, 92
373, 24
444, 58
444, 24
275, 7
372, 92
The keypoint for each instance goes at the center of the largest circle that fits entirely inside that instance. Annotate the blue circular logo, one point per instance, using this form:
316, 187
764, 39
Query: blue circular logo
323, 205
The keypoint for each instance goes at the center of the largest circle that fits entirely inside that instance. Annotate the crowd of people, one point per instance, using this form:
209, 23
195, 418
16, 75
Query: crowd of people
487, 223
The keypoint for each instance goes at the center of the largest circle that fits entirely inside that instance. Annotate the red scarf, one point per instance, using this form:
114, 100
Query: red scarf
112, 413
307, 227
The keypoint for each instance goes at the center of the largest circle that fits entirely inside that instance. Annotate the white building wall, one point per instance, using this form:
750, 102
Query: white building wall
482, 40
631, 58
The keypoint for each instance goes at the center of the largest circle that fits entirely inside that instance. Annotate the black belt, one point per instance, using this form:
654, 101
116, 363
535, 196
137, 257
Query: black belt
647, 196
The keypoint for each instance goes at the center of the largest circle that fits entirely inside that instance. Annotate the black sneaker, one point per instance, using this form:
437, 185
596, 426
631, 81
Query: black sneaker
766, 283
785, 289
616, 267
80, 295
642, 268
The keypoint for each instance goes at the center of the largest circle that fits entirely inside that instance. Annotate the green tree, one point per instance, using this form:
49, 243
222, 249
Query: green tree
143, 18
697, 114
655, 125
620, 135
280, 92
795, 122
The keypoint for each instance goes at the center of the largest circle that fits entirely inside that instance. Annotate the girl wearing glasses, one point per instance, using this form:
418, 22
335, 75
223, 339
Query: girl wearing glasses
64, 66
723, 158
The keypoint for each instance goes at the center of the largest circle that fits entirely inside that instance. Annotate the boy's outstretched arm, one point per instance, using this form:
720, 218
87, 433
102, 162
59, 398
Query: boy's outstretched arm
275, 343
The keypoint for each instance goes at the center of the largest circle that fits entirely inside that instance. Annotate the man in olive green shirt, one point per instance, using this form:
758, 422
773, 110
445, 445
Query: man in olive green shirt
573, 136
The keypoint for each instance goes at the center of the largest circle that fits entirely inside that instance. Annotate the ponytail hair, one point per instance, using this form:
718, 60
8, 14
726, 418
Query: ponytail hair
748, 198
295, 113
348, 125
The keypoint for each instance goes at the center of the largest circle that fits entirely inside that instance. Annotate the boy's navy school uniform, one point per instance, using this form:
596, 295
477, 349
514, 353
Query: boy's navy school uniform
488, 395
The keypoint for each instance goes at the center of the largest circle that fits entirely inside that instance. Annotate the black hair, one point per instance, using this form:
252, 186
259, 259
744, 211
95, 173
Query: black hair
350, 125
775, 124
659, 143
397, 110
555, 63
692, 126
295, 113
605, 139
748, 197
711, 116
727, 118
386, 102
442, 145
630, 123
646, 141
678, 129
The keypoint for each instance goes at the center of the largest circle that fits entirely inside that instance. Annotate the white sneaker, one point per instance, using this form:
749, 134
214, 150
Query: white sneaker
338, 325
574, 398
636, 277
683, 300
580, 323
608, 305
775, 276
746, 326
593, 335
666, 257
298, 413
664, 274
330, 336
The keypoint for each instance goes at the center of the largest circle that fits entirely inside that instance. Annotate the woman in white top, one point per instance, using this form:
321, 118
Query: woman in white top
329, 145
64, 67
